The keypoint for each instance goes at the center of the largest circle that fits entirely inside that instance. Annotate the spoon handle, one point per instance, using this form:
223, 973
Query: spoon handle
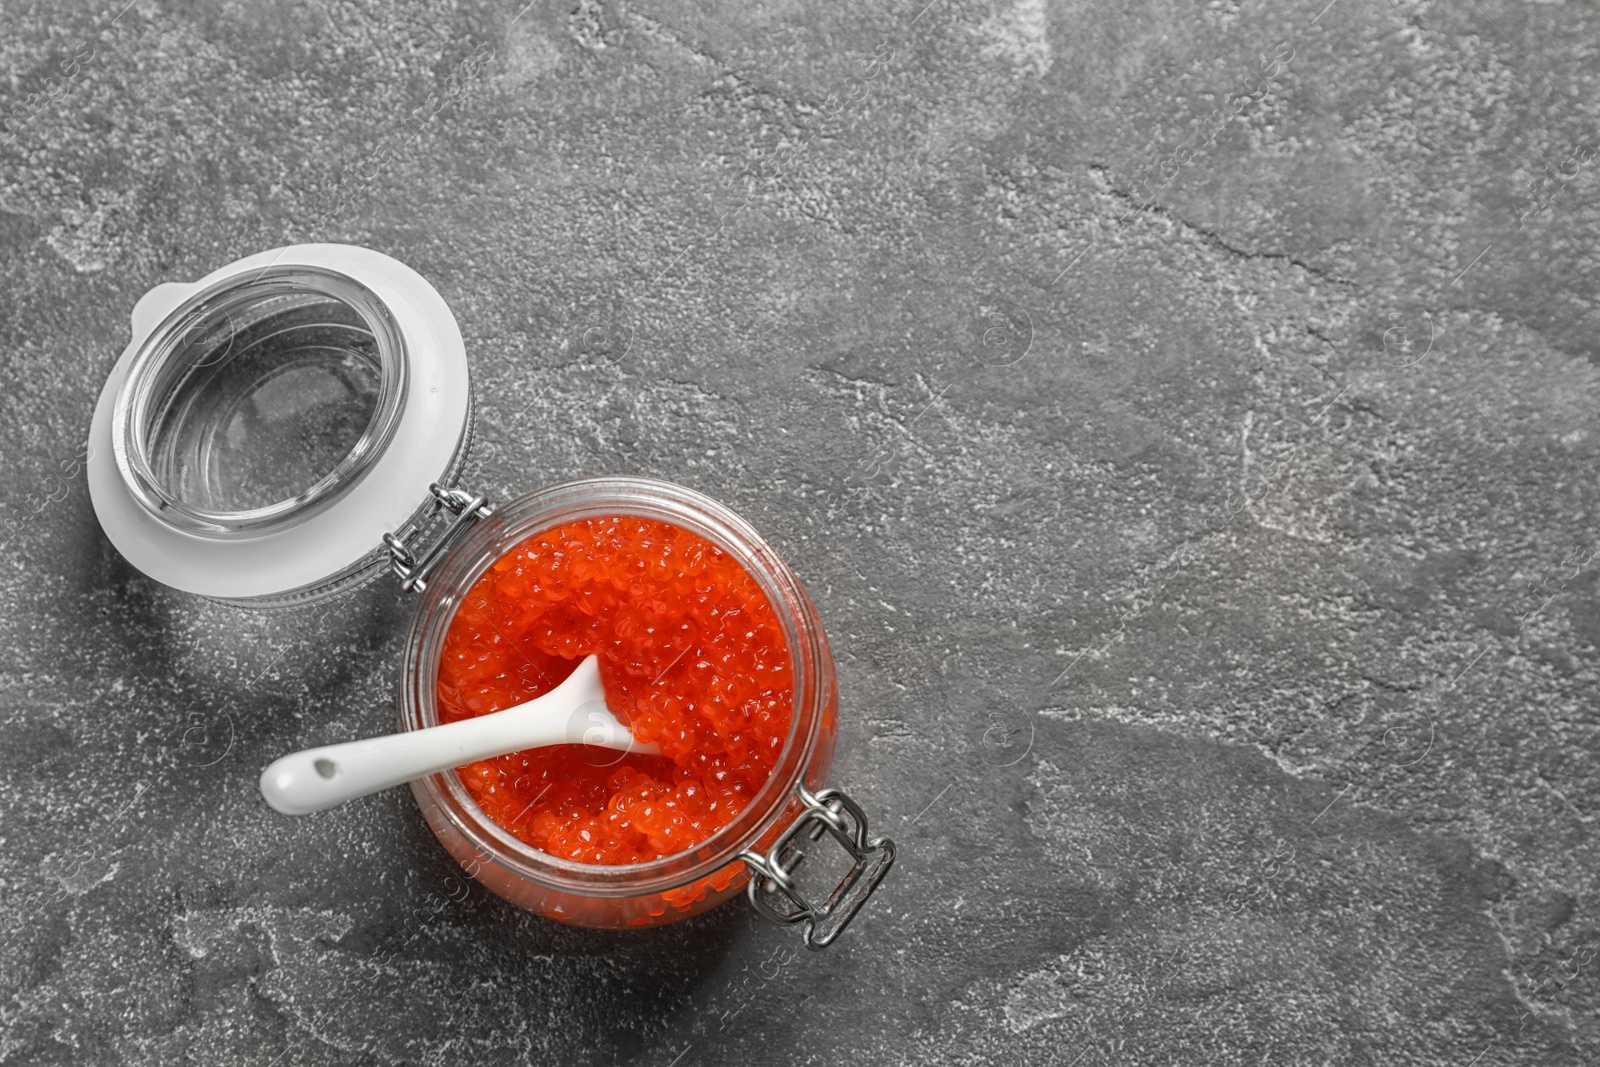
572, 713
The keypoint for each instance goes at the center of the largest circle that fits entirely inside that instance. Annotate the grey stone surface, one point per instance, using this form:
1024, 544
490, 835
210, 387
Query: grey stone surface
1199, 495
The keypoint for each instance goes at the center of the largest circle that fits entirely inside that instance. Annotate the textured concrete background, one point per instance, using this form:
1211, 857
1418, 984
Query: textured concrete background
1183, 414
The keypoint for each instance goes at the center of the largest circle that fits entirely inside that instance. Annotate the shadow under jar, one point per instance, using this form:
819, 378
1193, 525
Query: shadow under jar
294, 424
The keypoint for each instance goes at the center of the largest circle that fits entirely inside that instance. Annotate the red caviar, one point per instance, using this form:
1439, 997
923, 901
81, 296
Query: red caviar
692, 659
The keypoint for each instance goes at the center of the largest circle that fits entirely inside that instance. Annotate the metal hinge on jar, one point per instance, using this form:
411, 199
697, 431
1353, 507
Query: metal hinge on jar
414, 567
773, 891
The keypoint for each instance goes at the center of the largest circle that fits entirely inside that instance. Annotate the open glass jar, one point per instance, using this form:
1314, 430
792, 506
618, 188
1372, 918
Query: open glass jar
295, 423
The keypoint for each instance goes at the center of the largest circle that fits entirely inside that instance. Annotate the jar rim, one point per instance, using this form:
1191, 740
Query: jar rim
551, 506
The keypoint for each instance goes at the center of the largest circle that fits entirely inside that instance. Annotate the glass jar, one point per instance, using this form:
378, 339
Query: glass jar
676, 886
295, 423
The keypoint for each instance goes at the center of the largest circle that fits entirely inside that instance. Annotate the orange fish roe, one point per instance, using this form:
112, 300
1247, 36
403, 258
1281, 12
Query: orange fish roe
691, 657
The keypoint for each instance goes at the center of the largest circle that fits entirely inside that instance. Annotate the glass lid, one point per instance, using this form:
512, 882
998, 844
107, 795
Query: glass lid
270, 423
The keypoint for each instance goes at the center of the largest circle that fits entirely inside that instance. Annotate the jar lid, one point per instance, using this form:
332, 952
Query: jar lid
268, 425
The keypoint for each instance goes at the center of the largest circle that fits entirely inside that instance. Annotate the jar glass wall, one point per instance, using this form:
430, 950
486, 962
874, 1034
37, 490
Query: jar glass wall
675, 886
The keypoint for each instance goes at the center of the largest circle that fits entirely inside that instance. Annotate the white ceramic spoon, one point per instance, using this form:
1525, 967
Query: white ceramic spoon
573, 713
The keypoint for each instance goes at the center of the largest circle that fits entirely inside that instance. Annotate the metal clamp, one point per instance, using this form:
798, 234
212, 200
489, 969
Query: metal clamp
773, 892
413, 568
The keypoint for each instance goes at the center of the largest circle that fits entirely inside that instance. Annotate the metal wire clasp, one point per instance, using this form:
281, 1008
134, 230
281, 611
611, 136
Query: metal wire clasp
413, 568
772, 886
